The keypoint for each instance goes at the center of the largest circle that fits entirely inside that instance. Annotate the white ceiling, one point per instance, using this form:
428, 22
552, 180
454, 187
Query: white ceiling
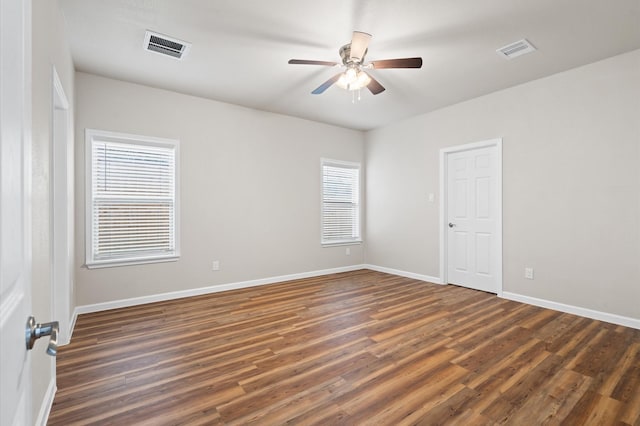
241, 48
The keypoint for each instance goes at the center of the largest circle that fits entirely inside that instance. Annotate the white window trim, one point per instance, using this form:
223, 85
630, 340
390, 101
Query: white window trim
90, 135
350, 242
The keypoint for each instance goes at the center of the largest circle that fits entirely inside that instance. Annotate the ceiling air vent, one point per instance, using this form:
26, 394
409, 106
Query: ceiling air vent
513, 50
165, 45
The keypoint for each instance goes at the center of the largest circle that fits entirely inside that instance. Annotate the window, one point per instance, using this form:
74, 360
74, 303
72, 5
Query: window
340, 202
131, 196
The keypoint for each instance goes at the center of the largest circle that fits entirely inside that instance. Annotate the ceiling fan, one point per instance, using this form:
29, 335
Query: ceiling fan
354, 77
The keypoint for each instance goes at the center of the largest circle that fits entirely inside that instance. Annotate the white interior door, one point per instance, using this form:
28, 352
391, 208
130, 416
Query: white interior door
473, 219
15, 246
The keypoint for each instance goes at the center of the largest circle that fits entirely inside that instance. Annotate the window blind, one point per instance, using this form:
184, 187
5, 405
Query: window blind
133, 201
340, 202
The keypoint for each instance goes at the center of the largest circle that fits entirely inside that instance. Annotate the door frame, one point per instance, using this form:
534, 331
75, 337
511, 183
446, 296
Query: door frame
444, 155
62, 208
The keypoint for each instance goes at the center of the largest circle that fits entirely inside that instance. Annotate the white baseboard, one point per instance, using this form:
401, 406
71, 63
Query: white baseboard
47, 403
206, 290
435, 280
72, 323
576, 310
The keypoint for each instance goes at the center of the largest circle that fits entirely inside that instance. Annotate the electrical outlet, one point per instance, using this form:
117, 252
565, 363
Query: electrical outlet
215, 266
528, 273
348, 251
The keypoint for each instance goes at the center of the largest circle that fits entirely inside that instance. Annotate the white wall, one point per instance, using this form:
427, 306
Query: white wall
571, 187
49, 49
250, 189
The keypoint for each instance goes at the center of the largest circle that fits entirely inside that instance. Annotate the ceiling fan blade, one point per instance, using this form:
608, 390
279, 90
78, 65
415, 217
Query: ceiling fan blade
398, 63
324, 86
374, 86
359, 44
308, 62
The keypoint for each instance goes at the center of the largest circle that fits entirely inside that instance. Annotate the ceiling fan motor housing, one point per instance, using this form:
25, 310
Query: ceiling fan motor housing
345, 54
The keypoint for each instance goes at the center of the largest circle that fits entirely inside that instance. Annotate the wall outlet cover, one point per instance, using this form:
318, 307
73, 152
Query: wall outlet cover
528, 273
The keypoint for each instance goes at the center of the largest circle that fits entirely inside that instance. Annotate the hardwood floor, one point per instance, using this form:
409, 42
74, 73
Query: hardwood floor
347, 349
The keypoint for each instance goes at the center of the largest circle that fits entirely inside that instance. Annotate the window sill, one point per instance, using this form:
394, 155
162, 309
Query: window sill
342, 243
128, 262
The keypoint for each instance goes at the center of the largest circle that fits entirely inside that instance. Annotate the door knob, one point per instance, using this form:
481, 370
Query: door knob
451, 224
35, 331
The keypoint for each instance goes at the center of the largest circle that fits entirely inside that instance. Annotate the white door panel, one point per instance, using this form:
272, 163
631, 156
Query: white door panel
473, 218
483, 253
15, 285
460, 246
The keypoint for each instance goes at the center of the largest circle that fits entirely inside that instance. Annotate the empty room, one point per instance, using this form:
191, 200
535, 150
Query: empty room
320, 213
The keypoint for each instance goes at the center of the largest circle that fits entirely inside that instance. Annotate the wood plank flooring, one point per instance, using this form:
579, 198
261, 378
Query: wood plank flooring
359, 348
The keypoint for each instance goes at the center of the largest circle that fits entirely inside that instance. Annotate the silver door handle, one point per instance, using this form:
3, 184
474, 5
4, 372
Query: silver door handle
35, 331
451, 224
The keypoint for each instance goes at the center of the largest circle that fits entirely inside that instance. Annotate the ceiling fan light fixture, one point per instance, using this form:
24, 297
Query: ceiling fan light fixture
353, 79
